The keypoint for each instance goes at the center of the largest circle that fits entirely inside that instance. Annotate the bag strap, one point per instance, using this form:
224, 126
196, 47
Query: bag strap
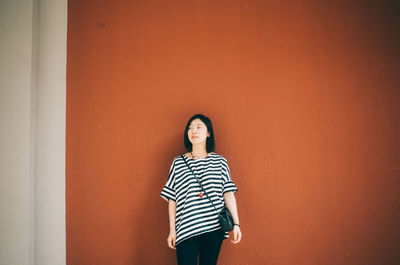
201, 186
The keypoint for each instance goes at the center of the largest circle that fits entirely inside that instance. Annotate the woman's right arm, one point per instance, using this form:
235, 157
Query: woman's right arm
172, 215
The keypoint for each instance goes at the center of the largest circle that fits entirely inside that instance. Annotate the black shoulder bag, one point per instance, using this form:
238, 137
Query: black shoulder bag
224, 216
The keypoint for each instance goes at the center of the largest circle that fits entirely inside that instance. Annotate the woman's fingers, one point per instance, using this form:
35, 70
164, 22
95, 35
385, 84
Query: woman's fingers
173, 242
169, 242
237, 236
234, 238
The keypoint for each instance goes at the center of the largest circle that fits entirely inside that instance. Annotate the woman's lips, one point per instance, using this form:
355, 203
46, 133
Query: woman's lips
194, 137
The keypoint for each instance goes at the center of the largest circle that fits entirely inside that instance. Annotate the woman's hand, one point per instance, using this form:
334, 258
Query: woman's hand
230, 201
171, 239
237, 234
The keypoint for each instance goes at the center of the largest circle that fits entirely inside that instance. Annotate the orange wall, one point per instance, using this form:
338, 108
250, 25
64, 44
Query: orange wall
304, 97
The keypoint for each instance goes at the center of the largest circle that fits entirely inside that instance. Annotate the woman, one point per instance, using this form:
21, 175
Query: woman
194, 226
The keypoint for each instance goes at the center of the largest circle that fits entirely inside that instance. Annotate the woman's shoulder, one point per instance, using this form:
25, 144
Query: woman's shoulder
176, 158
179, 157
221, 158
218, 156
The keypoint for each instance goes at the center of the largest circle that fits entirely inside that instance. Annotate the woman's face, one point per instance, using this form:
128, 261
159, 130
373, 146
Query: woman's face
197, 132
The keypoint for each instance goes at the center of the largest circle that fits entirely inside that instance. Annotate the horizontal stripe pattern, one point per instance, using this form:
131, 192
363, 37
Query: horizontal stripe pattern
196, 215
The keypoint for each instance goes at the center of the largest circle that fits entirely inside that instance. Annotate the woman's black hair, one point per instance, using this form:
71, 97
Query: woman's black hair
210, 143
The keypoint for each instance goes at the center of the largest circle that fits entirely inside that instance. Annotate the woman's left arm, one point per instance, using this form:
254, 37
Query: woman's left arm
230, 202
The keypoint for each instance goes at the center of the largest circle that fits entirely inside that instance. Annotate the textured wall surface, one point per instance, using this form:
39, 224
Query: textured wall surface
16, 128
33, 41
304, 98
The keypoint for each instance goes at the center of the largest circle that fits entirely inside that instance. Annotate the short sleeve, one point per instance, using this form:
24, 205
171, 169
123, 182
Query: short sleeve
168, 191
229, 185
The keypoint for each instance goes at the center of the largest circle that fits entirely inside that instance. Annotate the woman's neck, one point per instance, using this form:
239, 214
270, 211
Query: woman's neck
199, 150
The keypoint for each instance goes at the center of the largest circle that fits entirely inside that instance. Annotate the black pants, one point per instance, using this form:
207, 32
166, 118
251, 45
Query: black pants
205, 246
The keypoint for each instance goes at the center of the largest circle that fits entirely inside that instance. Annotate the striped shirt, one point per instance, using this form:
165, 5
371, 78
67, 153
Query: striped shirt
196, 215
